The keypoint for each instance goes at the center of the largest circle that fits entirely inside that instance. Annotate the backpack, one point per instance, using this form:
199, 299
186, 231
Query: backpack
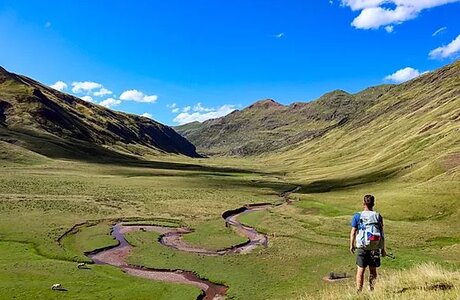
369, 236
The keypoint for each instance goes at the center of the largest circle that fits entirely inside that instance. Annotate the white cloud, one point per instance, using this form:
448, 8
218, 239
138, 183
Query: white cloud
389, 28
279, 35
102, 92
186, 109
173, 107
361, 4
187, 117
135, 95
147, 115
59, 85
450, 50
403, 75
199, 107
87, 98
439, 31
374, 17
85, 86
110, 102
376, 13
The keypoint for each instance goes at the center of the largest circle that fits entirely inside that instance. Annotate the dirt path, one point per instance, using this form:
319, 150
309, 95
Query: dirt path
172, 237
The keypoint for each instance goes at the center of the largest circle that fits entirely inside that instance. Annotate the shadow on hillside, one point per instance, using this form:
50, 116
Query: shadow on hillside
320, 186
56, 148
139, 163
327, 185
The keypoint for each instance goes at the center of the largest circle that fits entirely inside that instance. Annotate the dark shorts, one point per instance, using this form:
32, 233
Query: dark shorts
366, 258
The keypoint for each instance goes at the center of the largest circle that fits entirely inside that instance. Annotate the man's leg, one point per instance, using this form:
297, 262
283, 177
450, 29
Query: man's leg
359, 278
372, 277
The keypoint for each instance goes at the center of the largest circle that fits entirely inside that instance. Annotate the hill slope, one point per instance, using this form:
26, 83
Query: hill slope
56, 124
267, 126
412, 131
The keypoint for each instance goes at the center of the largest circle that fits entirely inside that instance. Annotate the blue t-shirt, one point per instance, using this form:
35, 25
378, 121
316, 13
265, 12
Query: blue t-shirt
355, 221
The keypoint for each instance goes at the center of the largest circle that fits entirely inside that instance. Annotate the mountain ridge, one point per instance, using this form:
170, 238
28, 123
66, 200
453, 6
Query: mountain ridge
266, 127
27, 106
278, 125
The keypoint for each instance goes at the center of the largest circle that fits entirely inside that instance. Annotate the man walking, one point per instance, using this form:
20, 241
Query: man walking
367, 239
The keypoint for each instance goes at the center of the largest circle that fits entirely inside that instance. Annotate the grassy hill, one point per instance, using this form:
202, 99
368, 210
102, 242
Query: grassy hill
267, 126
412, 131
56, 124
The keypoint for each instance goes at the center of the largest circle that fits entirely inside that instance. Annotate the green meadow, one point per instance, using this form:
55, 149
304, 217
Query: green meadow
41, 199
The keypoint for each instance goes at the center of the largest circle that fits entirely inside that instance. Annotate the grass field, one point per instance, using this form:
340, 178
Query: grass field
27, 275
41, 199
215, 235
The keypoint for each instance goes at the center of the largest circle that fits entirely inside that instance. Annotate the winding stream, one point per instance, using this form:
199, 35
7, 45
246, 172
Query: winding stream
117, 256
172, 237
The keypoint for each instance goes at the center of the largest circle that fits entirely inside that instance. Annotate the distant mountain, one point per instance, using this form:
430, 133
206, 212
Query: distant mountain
269, 127
56, 124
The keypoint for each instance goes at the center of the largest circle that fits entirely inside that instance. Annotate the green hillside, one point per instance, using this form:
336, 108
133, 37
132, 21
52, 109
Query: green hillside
412, 131
267, 126
56, 124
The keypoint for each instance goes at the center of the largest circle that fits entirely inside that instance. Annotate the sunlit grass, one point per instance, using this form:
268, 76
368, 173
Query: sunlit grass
307, 239
425, 281
26, 275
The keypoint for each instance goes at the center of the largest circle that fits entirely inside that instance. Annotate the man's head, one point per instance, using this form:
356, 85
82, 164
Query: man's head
369, 201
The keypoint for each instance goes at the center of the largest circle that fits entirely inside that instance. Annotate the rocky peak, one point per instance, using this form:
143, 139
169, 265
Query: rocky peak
267, 103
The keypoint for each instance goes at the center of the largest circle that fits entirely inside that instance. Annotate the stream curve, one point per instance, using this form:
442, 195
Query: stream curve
172, 237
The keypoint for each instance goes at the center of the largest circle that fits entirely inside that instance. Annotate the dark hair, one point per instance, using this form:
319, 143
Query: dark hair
369, 201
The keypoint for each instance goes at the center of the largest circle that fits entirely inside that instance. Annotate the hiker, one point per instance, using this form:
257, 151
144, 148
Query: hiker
367, 239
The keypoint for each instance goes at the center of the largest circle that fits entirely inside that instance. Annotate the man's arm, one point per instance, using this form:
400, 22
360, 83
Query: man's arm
352, 239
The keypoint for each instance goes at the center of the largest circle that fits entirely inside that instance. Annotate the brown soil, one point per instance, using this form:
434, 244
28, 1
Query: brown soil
451, 161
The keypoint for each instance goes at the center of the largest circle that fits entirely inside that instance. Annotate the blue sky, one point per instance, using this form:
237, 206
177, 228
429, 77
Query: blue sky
180, 61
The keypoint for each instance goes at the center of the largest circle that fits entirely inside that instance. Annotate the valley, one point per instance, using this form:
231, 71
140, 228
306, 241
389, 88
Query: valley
289, 203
